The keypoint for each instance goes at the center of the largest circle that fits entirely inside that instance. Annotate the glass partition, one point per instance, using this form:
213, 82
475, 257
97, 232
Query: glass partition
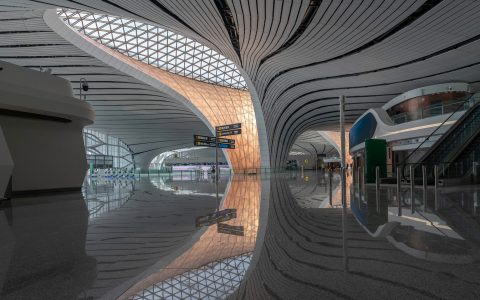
106, 151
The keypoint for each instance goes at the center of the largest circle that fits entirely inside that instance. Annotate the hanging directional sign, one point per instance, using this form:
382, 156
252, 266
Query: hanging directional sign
225, 146
230, 229
211, 139
204, 144
229, 145
216, 217
204, 138
225, 141
213, 145
229, 132
228, 127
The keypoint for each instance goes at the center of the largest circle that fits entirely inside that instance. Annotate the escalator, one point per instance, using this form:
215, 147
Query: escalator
458, 149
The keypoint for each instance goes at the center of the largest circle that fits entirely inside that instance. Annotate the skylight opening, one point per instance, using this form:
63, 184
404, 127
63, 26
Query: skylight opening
156, 46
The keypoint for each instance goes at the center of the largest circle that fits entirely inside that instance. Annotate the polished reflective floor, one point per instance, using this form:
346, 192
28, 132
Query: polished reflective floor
283, 236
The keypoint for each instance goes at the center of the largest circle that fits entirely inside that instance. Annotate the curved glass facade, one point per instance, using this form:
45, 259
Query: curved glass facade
156, 46
107, 151
362, 130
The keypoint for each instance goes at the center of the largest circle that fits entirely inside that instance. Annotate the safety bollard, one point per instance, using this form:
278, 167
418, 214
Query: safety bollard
398, 192
358, 180
330, 186
424, 187
377, 187
435, 171
412, 191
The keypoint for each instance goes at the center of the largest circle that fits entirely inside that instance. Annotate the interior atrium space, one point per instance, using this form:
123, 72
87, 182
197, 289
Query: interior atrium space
239, 149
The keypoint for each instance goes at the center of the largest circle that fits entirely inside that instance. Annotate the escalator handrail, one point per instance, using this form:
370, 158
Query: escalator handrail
443, 137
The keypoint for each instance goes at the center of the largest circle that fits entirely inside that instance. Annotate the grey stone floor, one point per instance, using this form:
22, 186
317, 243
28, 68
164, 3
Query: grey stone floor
287, 243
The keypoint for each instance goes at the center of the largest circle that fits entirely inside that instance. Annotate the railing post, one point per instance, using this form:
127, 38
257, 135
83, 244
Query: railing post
412, 187
475, 170
424, 187
377, 187
435, 171
358, 179
398, 192
364, 190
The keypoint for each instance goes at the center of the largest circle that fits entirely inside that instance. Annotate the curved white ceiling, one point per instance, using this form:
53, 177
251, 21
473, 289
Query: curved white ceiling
312, 143
301, 55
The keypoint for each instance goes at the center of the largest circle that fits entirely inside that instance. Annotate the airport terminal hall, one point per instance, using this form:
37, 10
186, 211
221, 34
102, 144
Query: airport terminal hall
239, 149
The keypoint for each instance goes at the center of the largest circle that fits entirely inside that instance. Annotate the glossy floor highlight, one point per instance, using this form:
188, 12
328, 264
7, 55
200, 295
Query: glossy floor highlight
270, 237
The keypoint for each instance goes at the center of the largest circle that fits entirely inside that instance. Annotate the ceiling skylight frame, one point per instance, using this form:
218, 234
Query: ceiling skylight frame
156, 46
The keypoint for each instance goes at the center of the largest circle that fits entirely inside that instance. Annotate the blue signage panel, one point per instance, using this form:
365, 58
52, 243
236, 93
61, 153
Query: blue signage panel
226, 146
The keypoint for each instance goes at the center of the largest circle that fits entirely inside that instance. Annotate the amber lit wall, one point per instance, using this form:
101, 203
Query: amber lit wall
219, 105
244, 195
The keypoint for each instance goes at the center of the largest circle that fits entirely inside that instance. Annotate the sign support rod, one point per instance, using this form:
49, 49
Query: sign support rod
342, 149
343, 171
217, 170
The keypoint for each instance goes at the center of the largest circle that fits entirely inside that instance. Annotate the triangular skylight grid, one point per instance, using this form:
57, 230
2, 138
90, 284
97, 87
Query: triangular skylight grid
156, 46
215, 280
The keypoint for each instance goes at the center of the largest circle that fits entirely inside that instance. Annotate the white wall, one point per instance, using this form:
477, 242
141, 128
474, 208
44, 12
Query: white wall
47, 154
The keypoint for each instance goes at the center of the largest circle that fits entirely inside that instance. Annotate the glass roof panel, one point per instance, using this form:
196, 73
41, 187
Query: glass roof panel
157, 47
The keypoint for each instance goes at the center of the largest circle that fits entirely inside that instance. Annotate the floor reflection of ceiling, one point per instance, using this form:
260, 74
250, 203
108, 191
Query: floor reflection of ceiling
215, 280
102, 195
214, 247
311, 189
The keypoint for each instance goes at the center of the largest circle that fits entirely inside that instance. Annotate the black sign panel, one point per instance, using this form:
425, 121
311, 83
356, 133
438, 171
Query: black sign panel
205, 144
204, 138
216, 217
225, 141
230, 229
229, 132
228, 127
211, 139
213, 145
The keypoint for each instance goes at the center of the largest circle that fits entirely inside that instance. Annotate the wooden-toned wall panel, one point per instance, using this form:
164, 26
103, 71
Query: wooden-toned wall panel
220, 105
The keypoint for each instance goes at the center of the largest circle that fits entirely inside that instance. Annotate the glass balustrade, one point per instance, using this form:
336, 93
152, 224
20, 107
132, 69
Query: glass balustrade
432, 111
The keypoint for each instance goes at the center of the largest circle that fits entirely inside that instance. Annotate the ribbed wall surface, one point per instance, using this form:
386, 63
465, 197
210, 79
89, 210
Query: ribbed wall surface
299, 57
